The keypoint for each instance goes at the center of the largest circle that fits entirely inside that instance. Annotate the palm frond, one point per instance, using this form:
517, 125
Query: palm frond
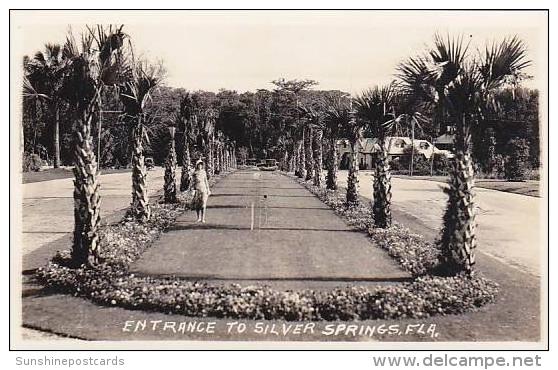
417, 81
503, 61
375, 107
29, 91
448, 56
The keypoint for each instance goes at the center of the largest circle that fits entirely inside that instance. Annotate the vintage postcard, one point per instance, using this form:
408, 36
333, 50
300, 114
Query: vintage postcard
348, 179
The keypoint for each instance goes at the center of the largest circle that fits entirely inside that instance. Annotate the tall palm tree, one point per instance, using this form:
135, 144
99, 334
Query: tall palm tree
207, 135
297, 134
318, 155
463, 89
409, 117
142, 79
45, 73
313, 116
353, 131
295, 88
375, 108
187, 119
32, 101
92, 65
170, 170
336, 117
218, 151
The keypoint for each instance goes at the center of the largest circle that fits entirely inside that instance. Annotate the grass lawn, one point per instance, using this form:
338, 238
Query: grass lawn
60, 173
528, 187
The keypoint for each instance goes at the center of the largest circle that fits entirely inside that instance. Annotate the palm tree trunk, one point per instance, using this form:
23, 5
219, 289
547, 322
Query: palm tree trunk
222, 165
309, 165
140, 200
331, 181
87, 198
352, 177
226, 158
217, 157
293, 163
56, 139
412, 147
318, 157
382, 191
186, 165
458, 240
229, 158
209, 158
223, 157
296, 157
302, 158
170, 171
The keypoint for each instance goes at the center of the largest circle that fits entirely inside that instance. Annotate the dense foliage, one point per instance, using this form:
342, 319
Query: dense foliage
516, 163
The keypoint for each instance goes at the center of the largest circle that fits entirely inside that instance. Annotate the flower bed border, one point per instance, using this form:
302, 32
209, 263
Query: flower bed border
110, 283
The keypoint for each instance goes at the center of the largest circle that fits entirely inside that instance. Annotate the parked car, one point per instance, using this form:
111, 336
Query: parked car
268, 165
251, 162
149, 163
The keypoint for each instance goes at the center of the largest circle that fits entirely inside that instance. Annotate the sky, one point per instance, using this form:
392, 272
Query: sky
246, 50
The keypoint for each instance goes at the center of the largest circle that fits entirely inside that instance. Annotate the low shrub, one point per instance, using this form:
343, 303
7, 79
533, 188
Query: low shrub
516, 163
31, 162
424, 297
441, 164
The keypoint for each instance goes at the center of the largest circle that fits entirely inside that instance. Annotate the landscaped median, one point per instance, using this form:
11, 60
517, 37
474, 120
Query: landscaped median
111, 283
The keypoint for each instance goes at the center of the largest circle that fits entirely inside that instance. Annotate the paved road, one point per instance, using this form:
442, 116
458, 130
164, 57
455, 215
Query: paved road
293, 240
48, 205
509, 225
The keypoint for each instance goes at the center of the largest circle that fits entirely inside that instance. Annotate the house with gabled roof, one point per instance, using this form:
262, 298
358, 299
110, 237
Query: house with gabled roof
396, 145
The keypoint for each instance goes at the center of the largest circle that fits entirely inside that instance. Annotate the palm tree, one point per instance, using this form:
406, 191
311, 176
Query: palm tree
218, 152
142, 79
318, 156
301, 154
313, 115
308, 152
303, 151
337, 116
45, 73
94, 64
294, 139
187, 118
32, 101
409, 116
170, 170
375, 108
462, 89
207, 135
353, 131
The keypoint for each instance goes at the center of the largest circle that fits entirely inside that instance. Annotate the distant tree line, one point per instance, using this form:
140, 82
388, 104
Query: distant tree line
257, 122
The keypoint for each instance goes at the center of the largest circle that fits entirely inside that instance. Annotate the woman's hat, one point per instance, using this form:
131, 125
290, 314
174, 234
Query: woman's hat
198, 162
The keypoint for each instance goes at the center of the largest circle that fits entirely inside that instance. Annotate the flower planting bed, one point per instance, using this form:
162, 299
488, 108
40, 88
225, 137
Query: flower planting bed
110, 282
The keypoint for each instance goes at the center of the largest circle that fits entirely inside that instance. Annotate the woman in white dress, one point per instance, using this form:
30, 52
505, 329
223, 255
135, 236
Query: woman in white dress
201, 190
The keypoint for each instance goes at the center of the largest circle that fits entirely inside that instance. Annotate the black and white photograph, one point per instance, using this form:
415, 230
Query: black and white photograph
349, 179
